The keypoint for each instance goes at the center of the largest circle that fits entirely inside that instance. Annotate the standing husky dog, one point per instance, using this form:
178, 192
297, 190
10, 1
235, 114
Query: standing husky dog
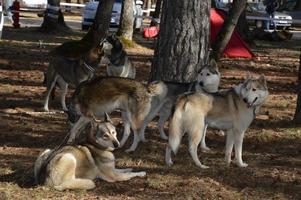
73, 71
208, 81
232, 111
107, 94
118, 63
75, 167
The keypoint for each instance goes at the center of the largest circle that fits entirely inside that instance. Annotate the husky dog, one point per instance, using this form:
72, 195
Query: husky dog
75, 167
118, 63
71, 71
232, 111
106, 94
208, 81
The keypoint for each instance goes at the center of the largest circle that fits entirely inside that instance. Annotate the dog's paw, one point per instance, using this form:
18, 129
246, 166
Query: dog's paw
169, 162
129, 150
142, 174
163, 136
241, 164
203, 166
46, 109
59, 187
205, 149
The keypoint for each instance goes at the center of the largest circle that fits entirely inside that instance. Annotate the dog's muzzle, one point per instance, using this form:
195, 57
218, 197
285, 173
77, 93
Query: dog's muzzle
116, 144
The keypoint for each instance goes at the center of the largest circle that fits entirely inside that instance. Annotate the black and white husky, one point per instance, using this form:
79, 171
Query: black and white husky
118, 63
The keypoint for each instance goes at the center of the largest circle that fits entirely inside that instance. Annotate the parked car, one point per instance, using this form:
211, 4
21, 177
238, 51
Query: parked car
1, 19
255, 12
90, 12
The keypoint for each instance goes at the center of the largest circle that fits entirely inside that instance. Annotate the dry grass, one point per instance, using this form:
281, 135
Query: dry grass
271, 148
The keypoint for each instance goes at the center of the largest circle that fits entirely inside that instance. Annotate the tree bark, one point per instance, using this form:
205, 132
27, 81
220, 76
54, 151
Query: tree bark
183, 43
244, 29
53, 17
98, 31
297, 117
228, 27
157, 12
147, 5
127, 20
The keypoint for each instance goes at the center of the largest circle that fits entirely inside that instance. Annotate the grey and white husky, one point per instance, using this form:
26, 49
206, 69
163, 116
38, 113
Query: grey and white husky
107, 94
232, 111
65, 71
117, 60
208, 81
75, 167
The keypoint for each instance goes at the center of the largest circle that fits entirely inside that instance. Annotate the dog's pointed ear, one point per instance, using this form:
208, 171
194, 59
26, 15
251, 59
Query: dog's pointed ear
213, 65
262, 80
107, 118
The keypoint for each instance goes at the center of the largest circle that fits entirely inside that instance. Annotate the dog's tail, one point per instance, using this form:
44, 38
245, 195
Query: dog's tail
176, 124
39, 164
157, 88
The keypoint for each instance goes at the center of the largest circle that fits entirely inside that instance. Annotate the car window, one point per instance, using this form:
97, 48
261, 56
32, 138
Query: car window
256, 7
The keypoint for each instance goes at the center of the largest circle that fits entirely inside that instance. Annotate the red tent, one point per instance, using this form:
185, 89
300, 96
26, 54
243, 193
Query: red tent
236, 46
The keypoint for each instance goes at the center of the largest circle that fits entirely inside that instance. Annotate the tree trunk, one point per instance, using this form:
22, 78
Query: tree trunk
53, 17
127, 20
228, 27
183, 43
102, 21
76, 49
157, 12
297, 117
244, 29
147, 5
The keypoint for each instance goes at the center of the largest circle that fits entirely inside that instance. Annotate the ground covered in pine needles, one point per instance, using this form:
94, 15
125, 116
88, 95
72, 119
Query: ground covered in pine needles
272, 145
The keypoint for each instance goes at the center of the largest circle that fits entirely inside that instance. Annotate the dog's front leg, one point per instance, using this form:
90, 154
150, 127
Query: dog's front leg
77, 127
229, 146
238, 141
126, 127
50, 86
203, 142
124, 170
64, 90
124, 176
135, 142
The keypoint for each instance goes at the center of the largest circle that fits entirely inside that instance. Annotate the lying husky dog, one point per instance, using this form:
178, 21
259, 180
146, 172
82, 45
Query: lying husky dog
67, 71
75, 167
232, 111
208, 81
94, 98
117, 60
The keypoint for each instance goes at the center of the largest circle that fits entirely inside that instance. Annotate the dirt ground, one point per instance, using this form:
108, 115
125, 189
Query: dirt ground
272, 146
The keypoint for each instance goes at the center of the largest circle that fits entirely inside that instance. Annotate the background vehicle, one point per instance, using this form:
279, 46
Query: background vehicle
90, 12
256, 13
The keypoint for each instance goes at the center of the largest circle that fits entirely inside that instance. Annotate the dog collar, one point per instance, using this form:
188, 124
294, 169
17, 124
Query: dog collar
89, 67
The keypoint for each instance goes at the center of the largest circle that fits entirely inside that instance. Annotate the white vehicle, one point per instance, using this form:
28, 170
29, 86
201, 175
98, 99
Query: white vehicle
1, 19
90, 12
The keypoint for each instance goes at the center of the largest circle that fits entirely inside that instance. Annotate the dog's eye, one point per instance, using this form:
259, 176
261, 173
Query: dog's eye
113, 132
208, 74
105, 136
253, 89
201, 74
